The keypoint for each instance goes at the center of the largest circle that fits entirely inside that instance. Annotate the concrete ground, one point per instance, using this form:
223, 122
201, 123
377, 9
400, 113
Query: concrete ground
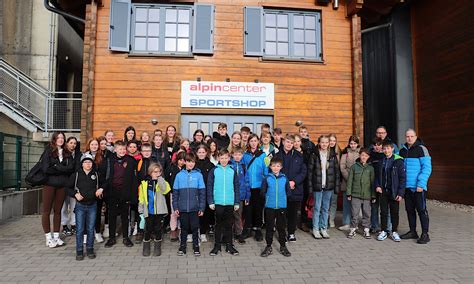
448, 258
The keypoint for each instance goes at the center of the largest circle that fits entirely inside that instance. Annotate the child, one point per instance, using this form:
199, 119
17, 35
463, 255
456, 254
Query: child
245, 132
213, 152
236, 141
275, 189
277, 138
205, 166
86, 187
223, 196
244, 185
159, 153
152, 206
183, 147
142, 172
390, 183
132, 150
171, 173
189, 201
360, 192
267, 147
109, 136
376, 155
221, 137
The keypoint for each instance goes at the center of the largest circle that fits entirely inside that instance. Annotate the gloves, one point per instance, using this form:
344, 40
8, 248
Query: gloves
236, 207
212, 206
142, 222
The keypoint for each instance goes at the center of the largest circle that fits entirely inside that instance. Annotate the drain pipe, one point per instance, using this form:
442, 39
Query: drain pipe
51, 8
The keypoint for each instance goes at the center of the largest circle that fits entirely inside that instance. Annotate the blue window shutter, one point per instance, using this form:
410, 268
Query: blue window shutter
119, 32
253, 31
203, 39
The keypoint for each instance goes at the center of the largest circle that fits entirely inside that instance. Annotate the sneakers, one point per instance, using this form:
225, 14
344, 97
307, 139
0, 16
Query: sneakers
231, 249
91, 253
79, 255
105, 234
110, 242
196, 251
127, 242
66, 231
409, 235
332, 224
284, 251
189, 238
344, 228
203, 238
395, 237
292, 238
424, 239
84, 240
317, 234
57, 240
98, 238
240, 238
324, 234
258, 235
146, 248
352, 233
181, 251
367, 233
382, 236
174, 235
215, 251
267, 251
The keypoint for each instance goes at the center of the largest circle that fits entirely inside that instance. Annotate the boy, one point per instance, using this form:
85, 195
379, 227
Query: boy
142, 172
360, 191
244, 187
265, 128
275, 189
390, 183
223, 196
122, 190
245, 132
277, 138
221, 136
189, 202
86, 187
376, 155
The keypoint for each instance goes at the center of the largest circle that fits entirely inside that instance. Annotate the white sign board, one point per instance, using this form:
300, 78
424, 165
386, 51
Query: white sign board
206, 94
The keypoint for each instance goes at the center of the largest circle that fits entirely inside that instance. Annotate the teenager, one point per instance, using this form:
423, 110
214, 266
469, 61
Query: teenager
198, 139
171, 140
221, 137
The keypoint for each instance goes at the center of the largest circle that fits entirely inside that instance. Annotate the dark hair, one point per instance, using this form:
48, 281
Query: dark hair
222, 125
353, 138
132, 142
381, 126
209, 146
251, 136
196, 132
223, 152
387, 143
364, 150
190, 157
174, 138
203, 146
377, 141
276, 160
245, 129
54, 148
277, 131
180, 156
125, 139
265, 125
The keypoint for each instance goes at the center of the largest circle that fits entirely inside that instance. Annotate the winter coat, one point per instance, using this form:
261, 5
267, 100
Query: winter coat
308, 148
221, 141
417, 165
398, 176
315, 174
189, 191
257, 169
161, 155
205, 166
171, 172
295, 170
57, 172
223, 186
194, 145
243, 180
129, 189
151, 196
276, 190
85, 184
142, 168
360, 183
348, 159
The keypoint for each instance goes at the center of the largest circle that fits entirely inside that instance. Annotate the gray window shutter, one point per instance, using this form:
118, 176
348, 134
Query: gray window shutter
253, 31
203, 29
319, 39
119, 32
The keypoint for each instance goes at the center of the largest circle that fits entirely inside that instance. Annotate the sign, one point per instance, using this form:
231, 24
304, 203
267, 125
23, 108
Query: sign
207, 94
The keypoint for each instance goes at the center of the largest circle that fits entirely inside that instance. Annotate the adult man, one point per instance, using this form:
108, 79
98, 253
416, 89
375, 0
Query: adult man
418, 171
381, 132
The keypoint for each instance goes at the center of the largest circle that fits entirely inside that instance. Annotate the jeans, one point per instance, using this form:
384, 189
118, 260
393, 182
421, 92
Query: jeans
322, 201
85, 223
68, 208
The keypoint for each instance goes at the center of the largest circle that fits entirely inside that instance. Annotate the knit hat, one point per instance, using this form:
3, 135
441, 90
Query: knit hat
86, 157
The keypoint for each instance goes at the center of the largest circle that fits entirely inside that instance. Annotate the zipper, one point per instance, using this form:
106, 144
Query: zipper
277, 189
188, 191
224, 186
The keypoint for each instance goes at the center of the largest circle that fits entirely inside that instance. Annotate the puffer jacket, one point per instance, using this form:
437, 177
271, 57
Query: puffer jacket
161, 155
276, 190
223, 186
151, 196
243, 180
295, 170
189, 191
360, 183
257, 169
348, 159
333, 180
417, 164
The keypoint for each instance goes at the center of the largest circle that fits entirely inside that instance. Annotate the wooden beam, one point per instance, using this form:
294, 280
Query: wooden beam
358, 104
353, 7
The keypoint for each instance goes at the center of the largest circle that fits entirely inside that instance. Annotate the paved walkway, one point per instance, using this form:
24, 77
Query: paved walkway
449, 258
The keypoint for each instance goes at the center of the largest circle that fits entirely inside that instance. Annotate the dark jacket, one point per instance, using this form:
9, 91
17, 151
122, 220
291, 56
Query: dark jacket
244, 182
189, 191
85, 184
221, 141
104, 168
205, 166
308, 148
170, 174
295, 170
57, 172
142, 170
193, 146
398, 176
333, 175
161, 155
129, 190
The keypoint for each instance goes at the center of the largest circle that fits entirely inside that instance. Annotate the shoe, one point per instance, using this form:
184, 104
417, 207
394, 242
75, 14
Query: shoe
189, 238
317, 234
174, 236
84, 240
139, 238
127, 242
215, 251
110, 242
146, 248
344, 228
98, 238
267, 251
382, 236
91, 253
73, 229
245, 234
395, 237
305, 228
57, 240
332, 224
367, 233
409, 235
231, 249
352, 233
105, 234
79, 256
258, 235
374, 230
196, 251
424, 239
284, 251
324, 234
66, 231
292, 238
51, 243
157, 248
211, 230
181, 251
203, 238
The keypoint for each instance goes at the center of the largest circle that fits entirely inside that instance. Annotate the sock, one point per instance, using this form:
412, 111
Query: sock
56, 235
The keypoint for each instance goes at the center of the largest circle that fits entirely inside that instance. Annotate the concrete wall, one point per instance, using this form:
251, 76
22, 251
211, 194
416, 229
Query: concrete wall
18, 203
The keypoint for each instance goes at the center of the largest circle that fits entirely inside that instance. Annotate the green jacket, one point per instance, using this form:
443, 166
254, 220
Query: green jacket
360, 183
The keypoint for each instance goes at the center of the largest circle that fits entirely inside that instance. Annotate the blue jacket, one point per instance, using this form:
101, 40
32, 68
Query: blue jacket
275, 189
189, 191
417, 165
295, 170
243, 179
398, 175
223, 186
257, 169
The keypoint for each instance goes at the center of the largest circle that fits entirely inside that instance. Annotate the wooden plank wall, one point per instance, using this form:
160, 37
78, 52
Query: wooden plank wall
443, 43
132, 90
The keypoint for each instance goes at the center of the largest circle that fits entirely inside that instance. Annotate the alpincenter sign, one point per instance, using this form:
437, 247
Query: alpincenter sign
206, 94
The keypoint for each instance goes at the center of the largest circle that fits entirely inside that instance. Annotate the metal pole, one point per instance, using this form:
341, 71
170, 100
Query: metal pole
18, 162
376, 28
2, 139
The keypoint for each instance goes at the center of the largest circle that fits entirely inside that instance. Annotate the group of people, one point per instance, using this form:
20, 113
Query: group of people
231, 187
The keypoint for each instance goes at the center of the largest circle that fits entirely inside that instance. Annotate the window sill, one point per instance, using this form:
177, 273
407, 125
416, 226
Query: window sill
147, 55
292, 60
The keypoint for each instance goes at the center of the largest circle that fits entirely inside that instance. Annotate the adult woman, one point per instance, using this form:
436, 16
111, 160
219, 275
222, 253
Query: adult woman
57, 164
198, 139
336, 149
235, 141
171, 140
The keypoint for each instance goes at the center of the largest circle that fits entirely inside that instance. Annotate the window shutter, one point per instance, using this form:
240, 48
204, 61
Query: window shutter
253, 31
203, 41
119, 32
319, 38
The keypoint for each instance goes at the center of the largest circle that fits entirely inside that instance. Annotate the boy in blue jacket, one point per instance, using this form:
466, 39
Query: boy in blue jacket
275, 189
189, 202
239, 167
223, 196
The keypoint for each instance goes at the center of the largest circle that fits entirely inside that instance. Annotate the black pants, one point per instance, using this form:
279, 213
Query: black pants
189, 225
416, 202
224, 222
166, 221
278, 215
153, 224
292, 215
117, 207
387, 202
98, 217
205, 220
253, 212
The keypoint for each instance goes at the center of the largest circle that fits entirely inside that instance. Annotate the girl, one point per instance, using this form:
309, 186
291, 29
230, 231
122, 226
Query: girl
197, 139
207, 138
212, 145
171, 140
152, 207
323, 180
57, 164
205, 166
104, 171
145, 137
70, 202
184, 146
109, 136
132, 150
332, 210
297, 145
348, 159
129, 134
235, 141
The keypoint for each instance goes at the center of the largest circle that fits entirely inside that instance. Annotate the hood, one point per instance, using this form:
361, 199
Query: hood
418, 142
